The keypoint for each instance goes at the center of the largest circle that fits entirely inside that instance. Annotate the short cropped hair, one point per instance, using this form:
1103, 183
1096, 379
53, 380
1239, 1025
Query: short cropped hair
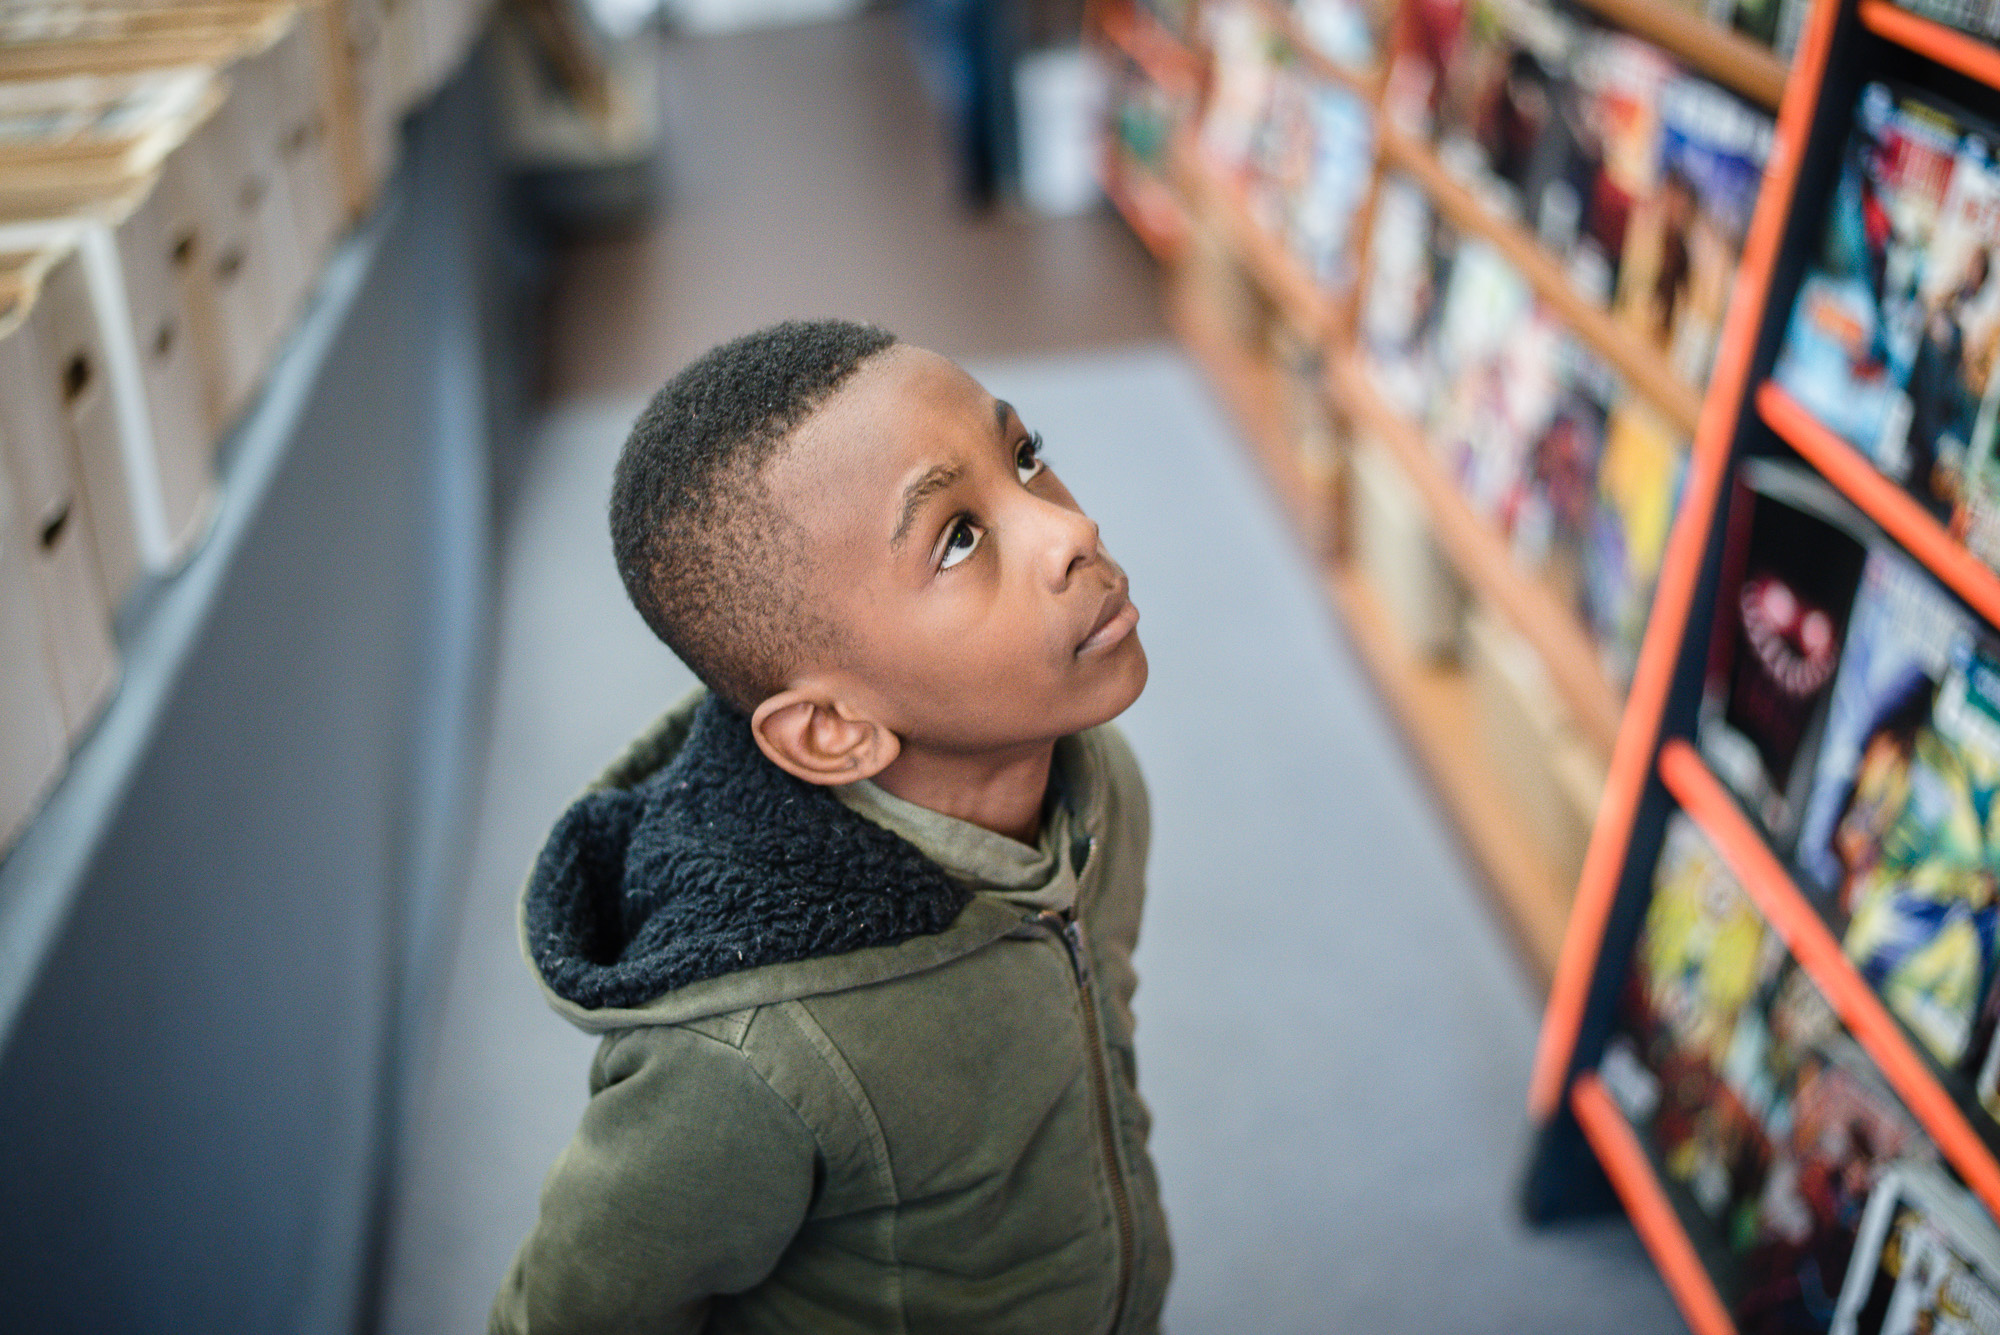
714, 566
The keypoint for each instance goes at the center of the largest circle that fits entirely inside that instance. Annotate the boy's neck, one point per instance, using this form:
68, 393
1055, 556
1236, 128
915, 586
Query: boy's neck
1002, 792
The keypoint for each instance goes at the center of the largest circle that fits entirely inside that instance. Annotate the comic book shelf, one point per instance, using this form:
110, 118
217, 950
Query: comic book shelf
1590, 1132
1920, 1139
1186, 204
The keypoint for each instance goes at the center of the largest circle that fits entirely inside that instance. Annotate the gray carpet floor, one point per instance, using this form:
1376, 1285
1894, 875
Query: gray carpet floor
1333, 1036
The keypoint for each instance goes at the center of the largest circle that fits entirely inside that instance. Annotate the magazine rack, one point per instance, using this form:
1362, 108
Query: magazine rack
1584, 1141
1169, 202
1588, 1155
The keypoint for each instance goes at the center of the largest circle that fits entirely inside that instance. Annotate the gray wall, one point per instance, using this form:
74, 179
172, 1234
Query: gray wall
200, 1097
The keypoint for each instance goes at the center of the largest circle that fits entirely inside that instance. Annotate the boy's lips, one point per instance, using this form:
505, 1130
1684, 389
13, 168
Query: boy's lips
1114, 622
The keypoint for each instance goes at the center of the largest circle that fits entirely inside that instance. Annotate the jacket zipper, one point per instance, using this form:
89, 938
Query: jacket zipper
1064, 924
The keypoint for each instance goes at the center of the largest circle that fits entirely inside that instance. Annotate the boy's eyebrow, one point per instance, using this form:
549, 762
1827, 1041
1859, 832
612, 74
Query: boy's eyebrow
1000, 410
935, 480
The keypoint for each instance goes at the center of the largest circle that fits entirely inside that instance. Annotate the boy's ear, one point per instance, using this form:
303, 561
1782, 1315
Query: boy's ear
821, 740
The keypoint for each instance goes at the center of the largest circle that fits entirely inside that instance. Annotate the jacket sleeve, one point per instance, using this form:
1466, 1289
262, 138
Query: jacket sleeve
687, 1178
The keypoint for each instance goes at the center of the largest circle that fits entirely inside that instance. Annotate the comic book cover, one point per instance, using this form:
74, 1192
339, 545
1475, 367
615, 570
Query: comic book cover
1339, 164
1410, 261
1423, 45
1244, 72
1836, 1129
1901, 831
1685, 230
1926, 1261
1550, 521
1495, 369
1508, 96
1704, 952
1344, 31
1638, 484
1891, 340
1622, 80
1791, 561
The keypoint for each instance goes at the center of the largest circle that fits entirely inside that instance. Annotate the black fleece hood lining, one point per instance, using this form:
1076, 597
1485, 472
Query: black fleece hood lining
718, 861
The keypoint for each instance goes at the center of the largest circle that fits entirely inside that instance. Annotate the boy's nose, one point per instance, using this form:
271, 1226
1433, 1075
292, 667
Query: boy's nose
1072, 544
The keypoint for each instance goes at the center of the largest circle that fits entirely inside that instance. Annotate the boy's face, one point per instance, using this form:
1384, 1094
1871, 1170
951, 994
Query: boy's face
979, 610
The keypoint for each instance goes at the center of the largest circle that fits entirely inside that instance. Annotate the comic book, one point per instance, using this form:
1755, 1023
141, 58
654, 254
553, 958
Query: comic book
1423, 46
1339, 163
1410, 252
1685, 227
1638, 484
1894, 339
1344, 31
1791, 561
1704, 952
1239, 103
1900, 837
1622, 80
1926, 1261
1494, 361
1549, 521
1836, 1129
1508, 98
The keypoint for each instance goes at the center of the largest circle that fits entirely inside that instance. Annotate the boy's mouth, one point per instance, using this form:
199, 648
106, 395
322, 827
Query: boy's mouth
1115, 620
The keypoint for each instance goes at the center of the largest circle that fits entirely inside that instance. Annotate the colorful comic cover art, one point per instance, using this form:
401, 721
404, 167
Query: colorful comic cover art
1638, 486
1927, 1261
1902, 830
1894, 342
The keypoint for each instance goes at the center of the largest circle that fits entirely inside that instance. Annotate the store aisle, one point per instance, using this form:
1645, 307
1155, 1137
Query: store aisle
1332, 1035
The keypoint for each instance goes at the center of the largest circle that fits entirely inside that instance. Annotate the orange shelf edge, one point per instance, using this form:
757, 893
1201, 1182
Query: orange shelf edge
1147, 207
1567, 652
1155, 50
1963, 52
1885, 502
1653, 1216
1641, 366
1807, 936
1680, 572
1742, 63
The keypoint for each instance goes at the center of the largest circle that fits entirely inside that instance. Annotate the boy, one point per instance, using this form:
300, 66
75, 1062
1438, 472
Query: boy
856, 923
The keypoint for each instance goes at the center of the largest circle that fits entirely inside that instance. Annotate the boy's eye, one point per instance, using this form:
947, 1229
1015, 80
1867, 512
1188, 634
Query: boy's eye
1028, 457
960, 541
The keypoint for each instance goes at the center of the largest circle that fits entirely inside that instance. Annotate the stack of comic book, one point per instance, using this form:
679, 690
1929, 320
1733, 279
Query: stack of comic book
1854, 707
1302, 147
1641, 174
1894, 341
1825, 1192
1542, 437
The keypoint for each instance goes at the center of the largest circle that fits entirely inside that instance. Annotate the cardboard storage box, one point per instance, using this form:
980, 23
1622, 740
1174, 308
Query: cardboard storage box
53, 511
1395, 549
33, 746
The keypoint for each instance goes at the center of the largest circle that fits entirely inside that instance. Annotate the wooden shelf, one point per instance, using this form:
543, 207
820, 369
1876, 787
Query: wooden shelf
1658, 1224
1148, 206
1819, 953
1969, 55
1642, 366
1567, 651
1440, 717
1884, 501
1730, 58
1307, 306
1365, 84
1164, 58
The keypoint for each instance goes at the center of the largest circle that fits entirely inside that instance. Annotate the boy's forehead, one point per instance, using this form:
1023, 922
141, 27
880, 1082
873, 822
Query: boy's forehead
907, 408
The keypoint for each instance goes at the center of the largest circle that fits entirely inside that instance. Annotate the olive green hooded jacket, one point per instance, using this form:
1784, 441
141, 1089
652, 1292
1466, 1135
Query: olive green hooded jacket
855, 1116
